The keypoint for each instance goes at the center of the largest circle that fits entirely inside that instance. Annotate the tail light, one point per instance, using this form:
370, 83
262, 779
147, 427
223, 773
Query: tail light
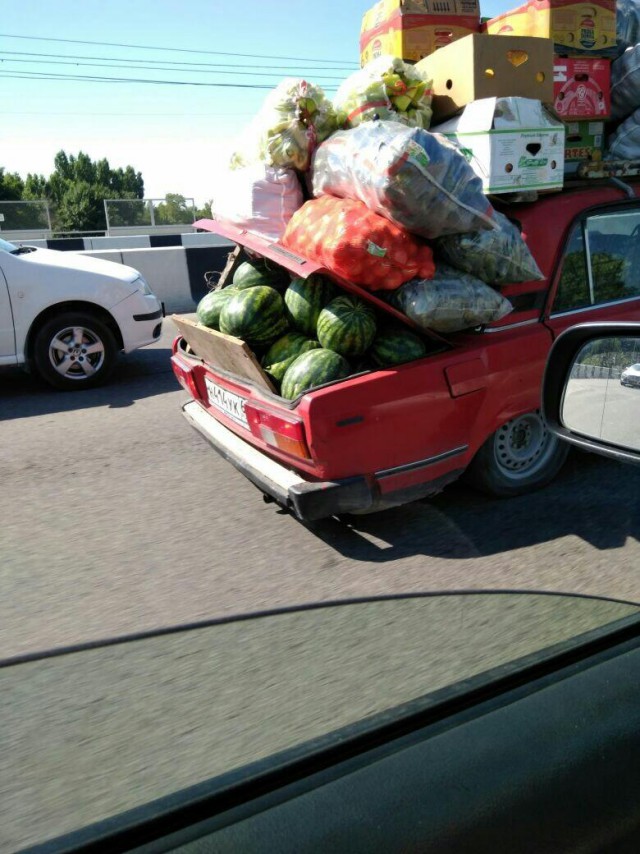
185, 377
284, 433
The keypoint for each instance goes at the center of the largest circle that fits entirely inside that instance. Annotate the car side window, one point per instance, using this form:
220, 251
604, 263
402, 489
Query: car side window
601, 262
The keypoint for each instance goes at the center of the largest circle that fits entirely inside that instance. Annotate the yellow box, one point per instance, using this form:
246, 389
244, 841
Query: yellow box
577, 29
412, 29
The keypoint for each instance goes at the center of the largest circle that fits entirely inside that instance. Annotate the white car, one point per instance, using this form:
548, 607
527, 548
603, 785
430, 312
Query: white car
68, 315
631, 376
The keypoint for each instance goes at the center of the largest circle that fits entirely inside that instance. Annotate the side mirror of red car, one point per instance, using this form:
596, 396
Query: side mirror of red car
591, 389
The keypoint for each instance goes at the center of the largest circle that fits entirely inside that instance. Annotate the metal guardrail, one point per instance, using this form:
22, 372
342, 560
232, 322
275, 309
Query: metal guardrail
583, 372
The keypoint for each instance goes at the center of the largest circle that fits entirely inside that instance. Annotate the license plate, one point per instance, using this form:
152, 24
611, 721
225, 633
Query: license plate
230, 404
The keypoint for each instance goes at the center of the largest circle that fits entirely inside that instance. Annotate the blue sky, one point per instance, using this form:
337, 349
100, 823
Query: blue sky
177, 136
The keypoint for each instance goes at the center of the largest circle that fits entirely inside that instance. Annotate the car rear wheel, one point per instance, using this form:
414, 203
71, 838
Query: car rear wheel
518, 458
75, 350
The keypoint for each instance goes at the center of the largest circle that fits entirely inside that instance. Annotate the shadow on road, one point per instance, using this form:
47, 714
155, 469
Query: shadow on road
141, 374
594, 499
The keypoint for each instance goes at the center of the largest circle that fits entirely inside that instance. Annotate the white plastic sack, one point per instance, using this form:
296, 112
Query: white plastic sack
624, 144
260, 198
625, 83
627, 24
417, 179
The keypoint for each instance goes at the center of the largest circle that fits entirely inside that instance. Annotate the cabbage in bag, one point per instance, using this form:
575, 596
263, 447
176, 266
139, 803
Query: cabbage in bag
295, 117
388, 89
450, 302
497, 257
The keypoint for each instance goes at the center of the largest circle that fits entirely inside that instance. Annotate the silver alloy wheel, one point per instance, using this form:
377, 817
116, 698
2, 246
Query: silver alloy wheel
76, 352
523, 445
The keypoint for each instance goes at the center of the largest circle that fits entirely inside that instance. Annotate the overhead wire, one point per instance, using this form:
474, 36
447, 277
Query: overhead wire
84, 78
168, 62
146, 68
174, 49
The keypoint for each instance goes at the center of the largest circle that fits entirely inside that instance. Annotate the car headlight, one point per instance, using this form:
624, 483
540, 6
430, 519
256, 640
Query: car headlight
143, 286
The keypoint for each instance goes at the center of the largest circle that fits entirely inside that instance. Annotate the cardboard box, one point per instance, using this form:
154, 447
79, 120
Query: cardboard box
583, 141
481, 66
582, 88
412, 29
582, 29
513, 144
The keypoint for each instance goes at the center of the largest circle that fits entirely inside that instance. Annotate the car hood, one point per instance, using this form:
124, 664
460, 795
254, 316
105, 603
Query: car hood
76, 263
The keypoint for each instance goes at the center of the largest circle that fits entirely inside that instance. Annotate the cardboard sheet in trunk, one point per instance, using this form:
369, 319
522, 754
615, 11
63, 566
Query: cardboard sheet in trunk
222, 351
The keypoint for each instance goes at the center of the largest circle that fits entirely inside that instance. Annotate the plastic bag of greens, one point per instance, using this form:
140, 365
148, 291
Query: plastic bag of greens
414, 178
386, 88
294, 118
624, 144
497, 257
450, 302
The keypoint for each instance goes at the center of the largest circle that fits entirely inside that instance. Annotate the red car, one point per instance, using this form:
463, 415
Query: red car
391, 436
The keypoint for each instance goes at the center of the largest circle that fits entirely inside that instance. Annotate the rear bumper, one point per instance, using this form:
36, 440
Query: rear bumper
308, 500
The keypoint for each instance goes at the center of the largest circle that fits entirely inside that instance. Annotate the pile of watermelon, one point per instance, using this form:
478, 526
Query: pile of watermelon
307, 332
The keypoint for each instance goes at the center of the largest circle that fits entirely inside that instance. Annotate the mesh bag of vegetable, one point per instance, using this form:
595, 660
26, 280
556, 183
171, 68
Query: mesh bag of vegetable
450, 302
294, 118
357, 244
498, 257
416, 179
386, 88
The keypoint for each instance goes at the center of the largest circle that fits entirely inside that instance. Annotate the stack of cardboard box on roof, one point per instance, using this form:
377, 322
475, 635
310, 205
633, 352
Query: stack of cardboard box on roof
492, 78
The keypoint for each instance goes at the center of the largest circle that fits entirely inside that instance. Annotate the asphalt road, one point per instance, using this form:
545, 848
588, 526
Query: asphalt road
117, 517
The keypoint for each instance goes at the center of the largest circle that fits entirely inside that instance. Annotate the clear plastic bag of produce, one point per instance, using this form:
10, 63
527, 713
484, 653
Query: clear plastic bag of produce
294, 118
627, 24
259, 198
498, 257
386, 88
625, 83
357, 244
450, 302
417, 179
624, 143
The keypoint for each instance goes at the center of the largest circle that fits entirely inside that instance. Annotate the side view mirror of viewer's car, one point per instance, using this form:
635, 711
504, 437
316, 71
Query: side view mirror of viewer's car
591, 389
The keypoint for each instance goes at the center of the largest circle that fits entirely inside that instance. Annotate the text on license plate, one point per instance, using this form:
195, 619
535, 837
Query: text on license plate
230, 404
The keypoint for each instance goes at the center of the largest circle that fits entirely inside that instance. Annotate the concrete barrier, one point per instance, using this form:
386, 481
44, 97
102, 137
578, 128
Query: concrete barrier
175, 274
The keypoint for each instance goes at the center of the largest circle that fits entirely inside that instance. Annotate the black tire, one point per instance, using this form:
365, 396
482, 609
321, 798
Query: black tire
520, 457
75, 350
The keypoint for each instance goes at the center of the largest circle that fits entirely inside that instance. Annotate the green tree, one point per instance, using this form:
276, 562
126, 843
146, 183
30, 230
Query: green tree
204, 212
78, 187
174, 211
11, 186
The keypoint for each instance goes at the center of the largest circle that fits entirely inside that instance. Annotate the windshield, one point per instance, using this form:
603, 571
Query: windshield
5, 246
292, 404
108, 724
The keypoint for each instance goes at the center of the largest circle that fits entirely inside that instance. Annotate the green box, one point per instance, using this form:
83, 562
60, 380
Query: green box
583, 141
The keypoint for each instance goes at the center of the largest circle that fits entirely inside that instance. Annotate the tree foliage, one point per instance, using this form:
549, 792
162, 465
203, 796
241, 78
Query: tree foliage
76, 190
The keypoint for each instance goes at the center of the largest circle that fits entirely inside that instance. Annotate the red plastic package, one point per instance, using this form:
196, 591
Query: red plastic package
357, 244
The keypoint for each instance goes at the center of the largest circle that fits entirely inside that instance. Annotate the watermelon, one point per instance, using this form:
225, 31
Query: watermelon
395, 346
347, 325
255, 314
284, 352
305, 299
258, 272
210, 306
313, 369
